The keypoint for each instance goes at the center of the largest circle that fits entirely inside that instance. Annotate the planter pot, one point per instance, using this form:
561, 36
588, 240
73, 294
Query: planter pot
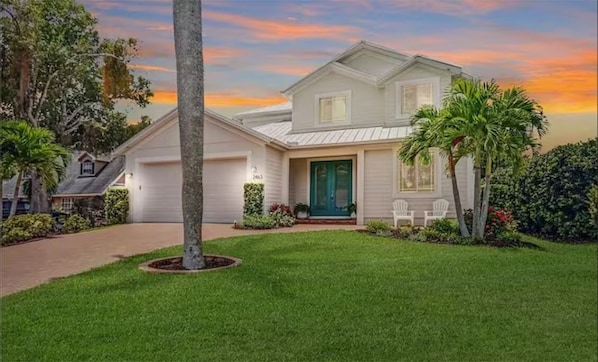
302, 215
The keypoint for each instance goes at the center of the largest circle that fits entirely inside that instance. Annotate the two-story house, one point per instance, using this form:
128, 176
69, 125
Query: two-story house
333, 144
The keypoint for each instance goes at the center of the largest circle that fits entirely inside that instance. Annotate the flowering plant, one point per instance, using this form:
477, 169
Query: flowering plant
498, 221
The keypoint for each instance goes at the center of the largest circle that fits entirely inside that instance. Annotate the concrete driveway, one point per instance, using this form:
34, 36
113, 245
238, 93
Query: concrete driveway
28, 265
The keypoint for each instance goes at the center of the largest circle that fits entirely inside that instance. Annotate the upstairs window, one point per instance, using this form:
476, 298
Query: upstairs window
87, 168
411, 95
333, 108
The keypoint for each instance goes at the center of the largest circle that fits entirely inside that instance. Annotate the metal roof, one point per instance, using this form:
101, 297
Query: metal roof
282, 107
282, 131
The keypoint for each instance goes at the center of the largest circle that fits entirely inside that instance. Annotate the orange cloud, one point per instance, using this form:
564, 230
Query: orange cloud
221, 99
288, 69
151, 68
270, 30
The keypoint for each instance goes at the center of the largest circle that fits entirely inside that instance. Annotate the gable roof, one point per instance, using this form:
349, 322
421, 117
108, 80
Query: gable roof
335, 65
73, 184
172, 115
96, 185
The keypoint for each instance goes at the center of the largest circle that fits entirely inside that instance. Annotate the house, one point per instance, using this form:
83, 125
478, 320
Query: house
87, 177
334, 143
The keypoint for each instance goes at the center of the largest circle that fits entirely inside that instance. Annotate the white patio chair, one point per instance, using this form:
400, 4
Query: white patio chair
440, 208
400, 212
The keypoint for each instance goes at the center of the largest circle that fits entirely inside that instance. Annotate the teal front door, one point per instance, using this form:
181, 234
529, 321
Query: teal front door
331, 188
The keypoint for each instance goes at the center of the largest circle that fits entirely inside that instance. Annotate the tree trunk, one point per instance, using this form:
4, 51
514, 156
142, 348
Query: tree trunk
39, 195
476, 199
190, 92
15, 195
457, 197
486, 197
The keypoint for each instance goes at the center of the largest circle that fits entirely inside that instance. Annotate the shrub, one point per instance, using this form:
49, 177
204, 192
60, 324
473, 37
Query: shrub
116, 206
498, 221
24, 227
75, 223
509, 237
435, 236
253, 196
257, 222
378, 227
593, 204
92, 209
445, 226
282, 215
14, 235
550, 198
404, 232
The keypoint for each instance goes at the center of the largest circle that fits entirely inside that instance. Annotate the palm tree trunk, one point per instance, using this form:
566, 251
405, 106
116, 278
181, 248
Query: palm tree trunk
457, 197
476, 197
486, 197
15, 195
190, 90
39, 195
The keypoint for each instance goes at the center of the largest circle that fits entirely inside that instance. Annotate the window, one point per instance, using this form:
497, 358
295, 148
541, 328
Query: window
411, 95
87, 168
333, 109
66, 205
420, 177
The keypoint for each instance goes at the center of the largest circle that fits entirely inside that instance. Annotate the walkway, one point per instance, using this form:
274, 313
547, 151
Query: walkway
28, 265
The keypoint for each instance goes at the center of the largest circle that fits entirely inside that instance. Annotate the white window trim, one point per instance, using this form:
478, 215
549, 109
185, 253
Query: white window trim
396, 193
317, 97
435, 81
92, 168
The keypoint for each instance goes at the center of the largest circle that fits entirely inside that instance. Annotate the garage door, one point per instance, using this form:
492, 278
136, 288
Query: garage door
223, 191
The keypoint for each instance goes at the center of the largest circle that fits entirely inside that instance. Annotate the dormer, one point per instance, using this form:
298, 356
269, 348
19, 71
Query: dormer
89, 165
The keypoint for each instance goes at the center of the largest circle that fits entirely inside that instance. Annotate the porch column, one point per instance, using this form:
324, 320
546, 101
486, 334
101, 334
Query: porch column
285, 178
360, 187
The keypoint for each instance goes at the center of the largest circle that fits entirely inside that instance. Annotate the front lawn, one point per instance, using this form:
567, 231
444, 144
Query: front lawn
334, 295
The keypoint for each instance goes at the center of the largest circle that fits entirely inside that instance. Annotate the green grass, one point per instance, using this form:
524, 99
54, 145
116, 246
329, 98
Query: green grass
319, 296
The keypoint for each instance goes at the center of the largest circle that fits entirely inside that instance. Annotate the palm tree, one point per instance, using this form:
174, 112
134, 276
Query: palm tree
497, 126
433, 129
190, 91
31, 149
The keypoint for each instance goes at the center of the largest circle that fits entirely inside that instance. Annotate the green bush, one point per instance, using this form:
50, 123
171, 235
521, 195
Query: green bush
116, 206
24, 227
509, 237
15, 235
435, 236
551, 197
75, 223
253, 196
593, 204
378, 227
92, 209
258, 222
445, 226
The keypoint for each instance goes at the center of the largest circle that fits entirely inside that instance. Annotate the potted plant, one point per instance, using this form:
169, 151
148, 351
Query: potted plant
353, 210
301, 210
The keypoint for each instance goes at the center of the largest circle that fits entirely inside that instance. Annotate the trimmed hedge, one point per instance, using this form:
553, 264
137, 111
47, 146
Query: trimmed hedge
75, 223
24, 227
116, 206
253, 196
551, 198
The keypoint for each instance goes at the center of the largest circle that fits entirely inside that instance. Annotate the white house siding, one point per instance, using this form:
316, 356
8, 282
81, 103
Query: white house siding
163, 146
372, 63
416, 72
273, 177
367, 102
379, 184
298, 182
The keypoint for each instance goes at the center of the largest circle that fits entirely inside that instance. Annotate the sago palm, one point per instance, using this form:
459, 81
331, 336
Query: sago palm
32, 149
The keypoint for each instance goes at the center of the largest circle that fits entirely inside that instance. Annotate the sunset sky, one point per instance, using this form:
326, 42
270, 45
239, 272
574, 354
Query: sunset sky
253, 49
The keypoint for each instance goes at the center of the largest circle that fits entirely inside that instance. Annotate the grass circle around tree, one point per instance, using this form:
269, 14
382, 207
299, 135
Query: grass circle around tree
174, 264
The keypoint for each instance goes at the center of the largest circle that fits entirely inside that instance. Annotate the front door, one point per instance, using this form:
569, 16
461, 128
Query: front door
331, 188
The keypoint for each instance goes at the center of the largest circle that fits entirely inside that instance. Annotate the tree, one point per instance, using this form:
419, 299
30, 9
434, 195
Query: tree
57, 73
190, 90
27, 149
434, 129
496, 127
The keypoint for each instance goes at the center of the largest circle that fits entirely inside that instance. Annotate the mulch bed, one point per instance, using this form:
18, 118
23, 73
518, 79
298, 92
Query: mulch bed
176, 263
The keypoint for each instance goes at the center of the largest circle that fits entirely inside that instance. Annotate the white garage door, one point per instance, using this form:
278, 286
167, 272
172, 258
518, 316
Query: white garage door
223, 191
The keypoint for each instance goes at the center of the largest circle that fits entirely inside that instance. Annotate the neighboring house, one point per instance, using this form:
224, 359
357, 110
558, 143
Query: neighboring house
87, 177
335, 143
